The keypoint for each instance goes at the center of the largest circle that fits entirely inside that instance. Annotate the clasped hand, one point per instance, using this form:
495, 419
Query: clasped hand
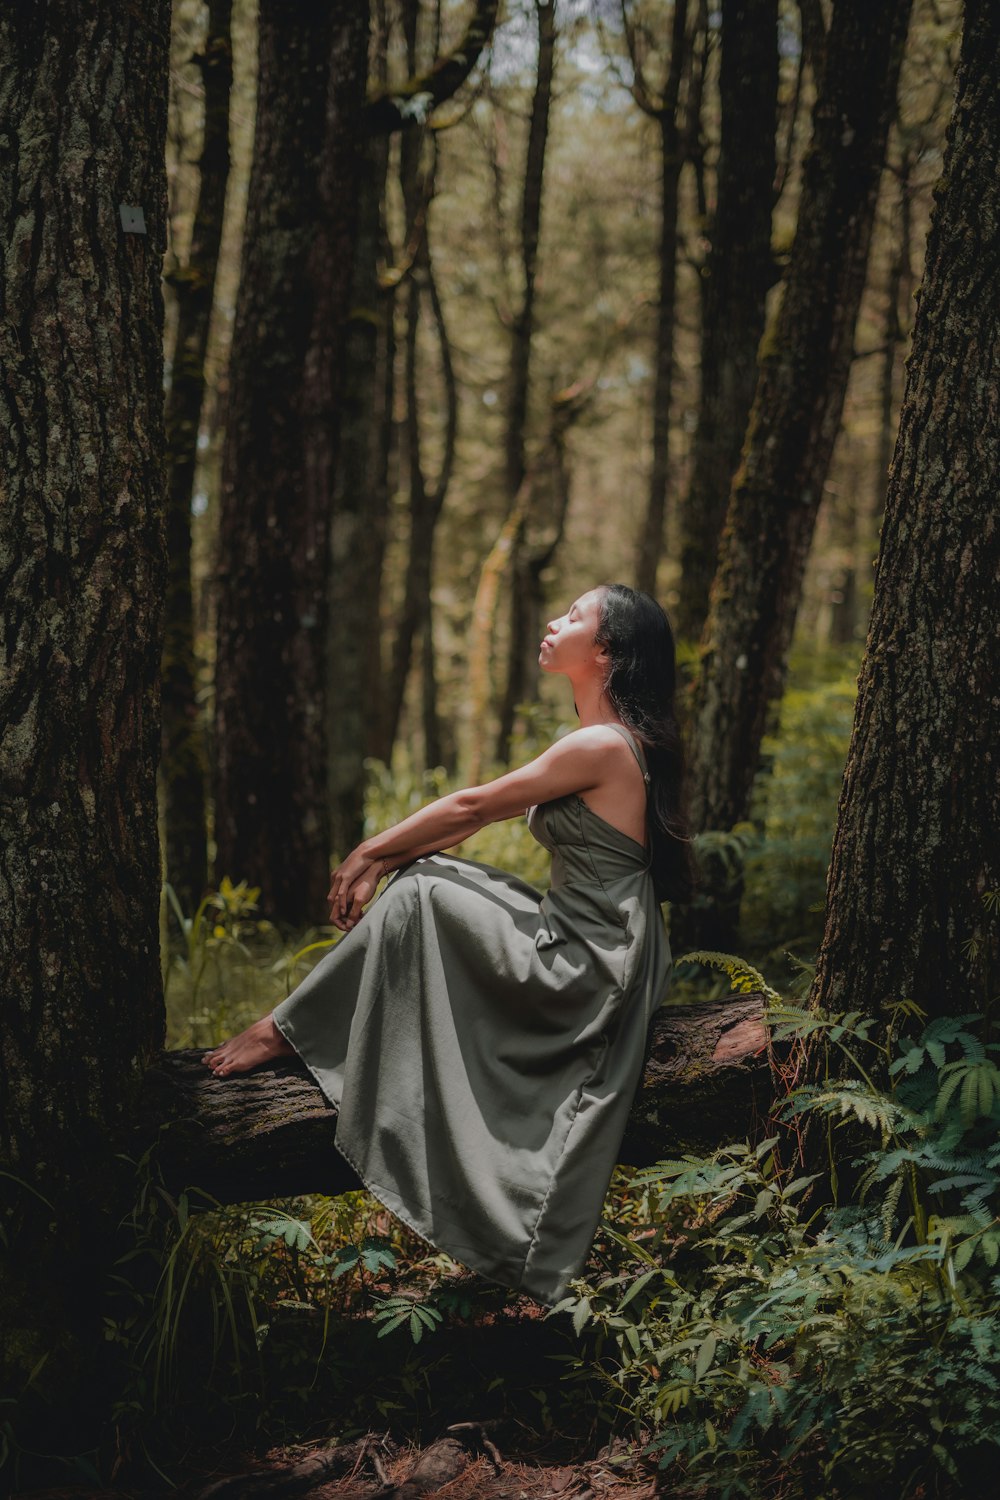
352, 886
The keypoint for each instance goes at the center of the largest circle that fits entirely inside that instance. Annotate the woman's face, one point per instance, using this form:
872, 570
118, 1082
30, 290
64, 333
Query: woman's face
569, 645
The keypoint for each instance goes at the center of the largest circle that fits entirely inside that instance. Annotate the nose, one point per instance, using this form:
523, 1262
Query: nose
552, 627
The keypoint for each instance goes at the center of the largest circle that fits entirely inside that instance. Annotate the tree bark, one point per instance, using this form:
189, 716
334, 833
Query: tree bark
665, 113
917, 845
270, 1132
183, 766
354, 706
737, 275
425, 501
804, 364
356, 543
271, 821
83, 100
541, 536
522, 333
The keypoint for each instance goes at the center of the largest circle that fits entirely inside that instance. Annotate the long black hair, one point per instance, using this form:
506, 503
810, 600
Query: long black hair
640, 685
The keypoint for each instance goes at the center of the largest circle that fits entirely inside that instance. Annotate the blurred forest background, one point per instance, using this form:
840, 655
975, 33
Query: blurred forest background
555, 270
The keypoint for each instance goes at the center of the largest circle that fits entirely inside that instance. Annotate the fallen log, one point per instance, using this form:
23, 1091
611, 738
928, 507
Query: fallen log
270, 1133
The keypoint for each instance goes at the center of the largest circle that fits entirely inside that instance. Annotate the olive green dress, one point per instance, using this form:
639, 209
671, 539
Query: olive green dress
483, 1043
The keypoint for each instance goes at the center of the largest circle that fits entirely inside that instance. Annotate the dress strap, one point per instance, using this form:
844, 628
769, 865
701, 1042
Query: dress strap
636, 749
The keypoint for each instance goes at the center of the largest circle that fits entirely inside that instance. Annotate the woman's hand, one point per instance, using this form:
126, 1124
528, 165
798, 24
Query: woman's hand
358, 897
352, 886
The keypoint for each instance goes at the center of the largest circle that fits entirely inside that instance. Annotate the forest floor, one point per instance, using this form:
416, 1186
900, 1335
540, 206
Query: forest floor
505, 1479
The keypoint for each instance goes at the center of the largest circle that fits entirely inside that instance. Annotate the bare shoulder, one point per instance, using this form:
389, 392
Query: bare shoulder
594, 743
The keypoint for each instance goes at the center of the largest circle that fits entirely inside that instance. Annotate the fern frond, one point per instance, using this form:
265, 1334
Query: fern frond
743, 976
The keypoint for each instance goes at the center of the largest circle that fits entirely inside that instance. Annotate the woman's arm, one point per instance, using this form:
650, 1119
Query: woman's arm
577, 763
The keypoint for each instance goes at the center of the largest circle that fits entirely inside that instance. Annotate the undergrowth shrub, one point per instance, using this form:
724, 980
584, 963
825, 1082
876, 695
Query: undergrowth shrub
757, 1344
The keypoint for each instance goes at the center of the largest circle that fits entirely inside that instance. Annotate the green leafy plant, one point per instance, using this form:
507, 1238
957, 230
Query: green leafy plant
756, 1345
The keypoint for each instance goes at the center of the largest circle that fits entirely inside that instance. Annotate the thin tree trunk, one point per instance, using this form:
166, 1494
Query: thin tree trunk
354, 707
436, 751
917, 845
482, 628
383, 408
812, 30
522, 332
83, 106
356, 546
665, 112
804, 364
183, 767
737, 276
416, 614
535, 556
566, 406
271, 820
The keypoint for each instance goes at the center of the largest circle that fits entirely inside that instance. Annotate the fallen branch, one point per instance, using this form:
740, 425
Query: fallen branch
436, 1466
317, 1468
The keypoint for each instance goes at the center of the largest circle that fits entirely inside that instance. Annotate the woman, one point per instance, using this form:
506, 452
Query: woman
482, 1043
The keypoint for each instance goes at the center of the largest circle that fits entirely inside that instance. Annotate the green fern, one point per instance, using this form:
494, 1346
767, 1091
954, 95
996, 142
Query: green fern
743, 977
978, 1086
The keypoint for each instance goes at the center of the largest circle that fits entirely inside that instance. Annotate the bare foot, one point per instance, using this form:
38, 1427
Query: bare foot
259, 1042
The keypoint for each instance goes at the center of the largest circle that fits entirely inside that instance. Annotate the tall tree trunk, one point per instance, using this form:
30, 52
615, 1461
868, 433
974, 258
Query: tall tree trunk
665, 113
416, 614
353, 704
536, 554
354, 674
804, 364
737, 275
522, 332
271, 820
383, 410
356, 536
183, 767
425, 502
565, 407
83, 100
917, 845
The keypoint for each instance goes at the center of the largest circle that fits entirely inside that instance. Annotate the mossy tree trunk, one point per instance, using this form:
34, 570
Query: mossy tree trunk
737, 275
83, 98
183, 767
917, 845
271, 820
804, 364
